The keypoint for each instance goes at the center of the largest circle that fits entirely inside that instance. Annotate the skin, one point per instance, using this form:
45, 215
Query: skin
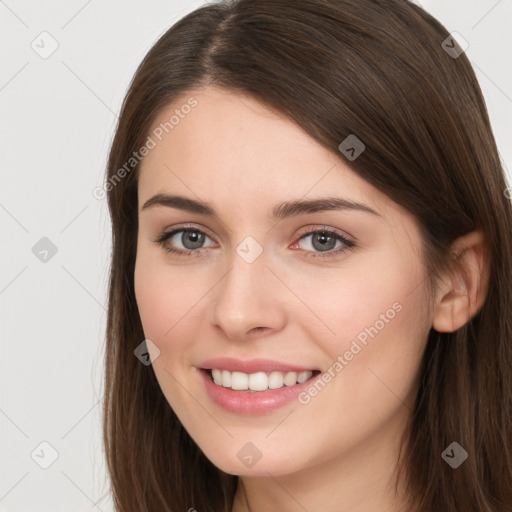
339, 451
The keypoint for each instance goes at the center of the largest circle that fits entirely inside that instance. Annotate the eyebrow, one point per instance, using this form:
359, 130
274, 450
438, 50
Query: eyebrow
280, 211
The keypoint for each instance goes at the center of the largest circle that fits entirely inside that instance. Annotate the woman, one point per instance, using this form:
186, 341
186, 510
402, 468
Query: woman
312, 245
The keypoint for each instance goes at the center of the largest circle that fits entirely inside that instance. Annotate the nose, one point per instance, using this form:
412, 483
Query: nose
248, 301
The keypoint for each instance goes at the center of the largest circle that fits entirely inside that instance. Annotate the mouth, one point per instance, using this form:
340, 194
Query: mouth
259, 381
254, 386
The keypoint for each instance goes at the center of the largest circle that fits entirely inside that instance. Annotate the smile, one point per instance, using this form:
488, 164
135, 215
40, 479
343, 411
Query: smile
259, 381
253, 387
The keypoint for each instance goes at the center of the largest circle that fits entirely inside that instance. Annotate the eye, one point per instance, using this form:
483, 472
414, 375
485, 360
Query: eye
324, 243
191, 240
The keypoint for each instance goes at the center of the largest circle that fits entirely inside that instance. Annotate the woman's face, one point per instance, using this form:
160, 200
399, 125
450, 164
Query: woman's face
274, 281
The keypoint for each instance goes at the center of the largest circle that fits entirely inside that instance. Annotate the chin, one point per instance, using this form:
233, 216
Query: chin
246, 461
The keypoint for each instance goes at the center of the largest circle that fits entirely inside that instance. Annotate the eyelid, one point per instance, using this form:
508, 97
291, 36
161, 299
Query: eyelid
303, 231
322, 227
167, 232
348, 242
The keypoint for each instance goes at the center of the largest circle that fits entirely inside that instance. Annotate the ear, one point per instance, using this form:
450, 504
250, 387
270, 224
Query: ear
462, 294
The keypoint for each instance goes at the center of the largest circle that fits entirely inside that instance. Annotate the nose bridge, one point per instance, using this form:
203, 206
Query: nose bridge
244, 298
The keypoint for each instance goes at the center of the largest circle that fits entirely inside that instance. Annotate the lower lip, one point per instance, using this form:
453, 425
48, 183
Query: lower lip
258, 402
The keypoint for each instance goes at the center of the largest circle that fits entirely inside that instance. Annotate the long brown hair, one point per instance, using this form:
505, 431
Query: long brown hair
377, 69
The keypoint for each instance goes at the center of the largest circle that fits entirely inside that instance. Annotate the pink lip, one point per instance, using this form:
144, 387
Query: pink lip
250, 366
251, 403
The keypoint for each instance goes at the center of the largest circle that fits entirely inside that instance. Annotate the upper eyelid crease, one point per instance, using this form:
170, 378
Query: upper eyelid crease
281, 211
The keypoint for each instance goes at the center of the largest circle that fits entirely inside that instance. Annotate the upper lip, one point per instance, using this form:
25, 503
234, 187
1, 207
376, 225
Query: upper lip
251, 365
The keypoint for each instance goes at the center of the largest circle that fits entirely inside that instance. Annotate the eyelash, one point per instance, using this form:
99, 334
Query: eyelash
348, 244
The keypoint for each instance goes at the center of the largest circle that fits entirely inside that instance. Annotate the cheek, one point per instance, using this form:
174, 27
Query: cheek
338, 305
165, 298
371, 324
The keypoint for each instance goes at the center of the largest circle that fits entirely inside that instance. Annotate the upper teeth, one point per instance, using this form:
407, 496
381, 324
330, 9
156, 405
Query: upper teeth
259, 381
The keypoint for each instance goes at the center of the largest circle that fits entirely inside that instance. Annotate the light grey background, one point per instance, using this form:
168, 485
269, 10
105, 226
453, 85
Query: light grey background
57, 119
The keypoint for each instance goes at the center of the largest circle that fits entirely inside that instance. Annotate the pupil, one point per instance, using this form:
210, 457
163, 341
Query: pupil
323, 241
192, 239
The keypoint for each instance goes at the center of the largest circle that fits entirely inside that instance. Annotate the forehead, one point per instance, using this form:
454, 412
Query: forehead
230, 147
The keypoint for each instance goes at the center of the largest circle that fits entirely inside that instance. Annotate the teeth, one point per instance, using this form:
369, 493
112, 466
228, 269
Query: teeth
217, 377
259, 381
226, 379
239, 381
303, 377
276, 380
290, 379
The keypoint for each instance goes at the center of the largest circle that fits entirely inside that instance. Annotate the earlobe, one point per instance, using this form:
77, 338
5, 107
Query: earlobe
461, 296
